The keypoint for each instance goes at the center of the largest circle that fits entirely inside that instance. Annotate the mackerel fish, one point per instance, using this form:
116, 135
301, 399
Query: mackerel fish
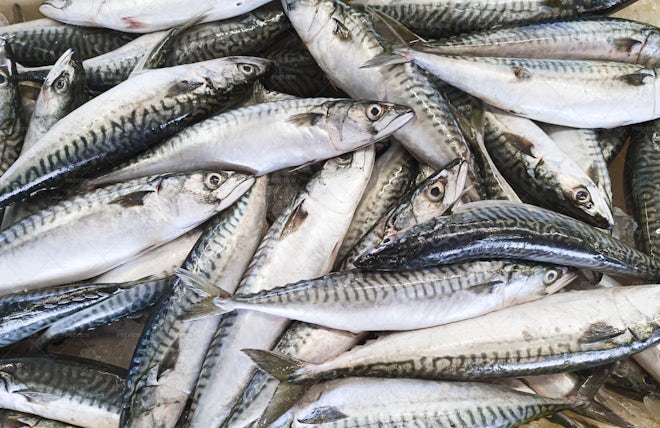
12, 126
43, 41
84, 393
127, 119
611, 93
301, 131
359, 301
576, 330
314, 224
342, 39
169, 355
503, 229
441, 18
93, 232
605, 39
143, 17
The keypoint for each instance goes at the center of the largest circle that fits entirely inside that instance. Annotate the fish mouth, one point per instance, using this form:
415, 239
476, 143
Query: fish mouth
56, 4
241, 184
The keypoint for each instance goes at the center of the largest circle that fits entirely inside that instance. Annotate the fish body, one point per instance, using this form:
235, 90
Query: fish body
414, 402
611, 94
169, 355
604, 39
314, 224
301, 131
502, 229
565, 331
408, 300
12, 125
42, 41
128, 119
441, 18
83, 393
144, 17
643, 176
93, 232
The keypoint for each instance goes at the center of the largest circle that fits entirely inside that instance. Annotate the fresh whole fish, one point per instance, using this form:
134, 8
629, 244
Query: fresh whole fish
314, 224
611, 93
12, 126
643, 177
441, 18
342, 39
393, 176
541, 172
84, 393
93, 232
171, 350
143, 17
431, 198
605, 39
414, 402
120, 305
573, 330
301, 131
406, 300
43, 41
127, 119
503, 229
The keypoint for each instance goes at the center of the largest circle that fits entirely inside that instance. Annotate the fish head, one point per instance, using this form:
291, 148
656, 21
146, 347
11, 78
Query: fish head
64, 86
554, 278
588, 203
310, 17
220, 73
639, 309
70, 11
432, 198
364, 122
197, 195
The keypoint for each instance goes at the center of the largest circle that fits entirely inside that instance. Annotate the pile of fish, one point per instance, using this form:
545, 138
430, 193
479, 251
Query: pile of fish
349, 214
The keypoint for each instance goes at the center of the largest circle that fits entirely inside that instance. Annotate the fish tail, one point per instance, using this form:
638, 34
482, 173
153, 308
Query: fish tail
285, 397
396, 55
214, 300
279, 366
589, 407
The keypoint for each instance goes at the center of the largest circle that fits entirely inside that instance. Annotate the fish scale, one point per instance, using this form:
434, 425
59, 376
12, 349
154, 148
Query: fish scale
137, 114
12, 125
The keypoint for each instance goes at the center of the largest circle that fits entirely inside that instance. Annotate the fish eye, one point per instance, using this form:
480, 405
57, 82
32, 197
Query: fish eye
550, 276
345, 159
3, 79
435, 193
247, 69
582, 196
213, 181
60, 84
374, 112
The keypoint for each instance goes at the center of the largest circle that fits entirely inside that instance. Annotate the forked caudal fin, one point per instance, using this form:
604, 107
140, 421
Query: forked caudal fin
214, 300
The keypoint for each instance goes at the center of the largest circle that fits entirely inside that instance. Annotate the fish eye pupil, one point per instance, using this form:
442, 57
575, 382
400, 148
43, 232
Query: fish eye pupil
374, 111
214, 180
435, 192
582, 196
551, 276
247, 68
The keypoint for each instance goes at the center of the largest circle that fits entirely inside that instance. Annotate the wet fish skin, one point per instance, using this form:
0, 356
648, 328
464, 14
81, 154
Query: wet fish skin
144, 17
597, 38
442, 18
406, 300
25, 313
642, 171
546, 340
302, 131
12, 419
43, 41
486, 229
612, 93
12, 126
541, 172
99, 230
171, 350
126, 302
611, 141
414, 402
84, 393
136, 114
